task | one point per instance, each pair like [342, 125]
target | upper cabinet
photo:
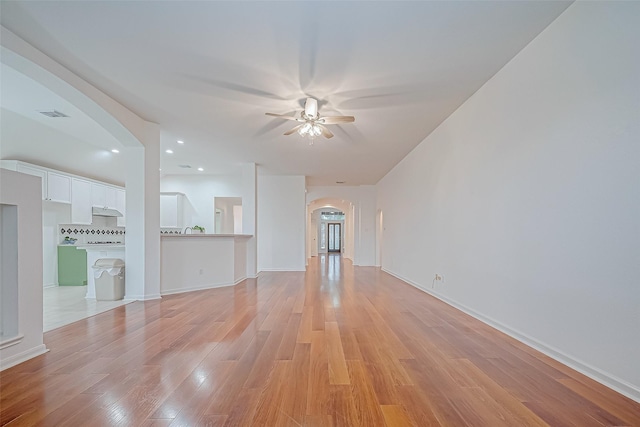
[56, 187]
[82, 194]
[103, 196]
[81, 202]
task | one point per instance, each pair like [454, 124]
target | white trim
[8, 362]
[197, 288]
[604, 378]
[11, 341]
[149, 297]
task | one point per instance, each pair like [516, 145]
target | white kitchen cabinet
[121, 207]
[98, 195]
[81, 212]
[171, 210]
[58, 188]
[103, 196]
[111, 198]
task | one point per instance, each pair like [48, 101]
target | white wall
[527, 200]
[281, 223]
[200, 191]
[228, 207]
[24, 191]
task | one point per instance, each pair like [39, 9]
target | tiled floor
[67, 304]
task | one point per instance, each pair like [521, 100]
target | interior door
[335, 237]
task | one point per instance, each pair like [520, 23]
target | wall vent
[54, 113]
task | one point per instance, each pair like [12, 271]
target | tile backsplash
[91, 233]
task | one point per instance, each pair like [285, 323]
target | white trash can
[109, 278]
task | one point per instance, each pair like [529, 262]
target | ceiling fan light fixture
[311, 124]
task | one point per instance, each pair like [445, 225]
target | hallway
[336, 345]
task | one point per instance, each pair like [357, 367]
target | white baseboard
[604, 378]
[8, 362]
[197, 288]
[149, 297]
[10, 342]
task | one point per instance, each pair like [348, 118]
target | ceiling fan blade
[326, 132]
[282, 116]
[294, 130]
[332, 120]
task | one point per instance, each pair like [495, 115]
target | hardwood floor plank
[343, 408]
[338, 373]
[335, 346]
[288, 344]
[318, 395]
[620, 406]
[364, 395]
[396, 416]
[318, 421]
[306, 328]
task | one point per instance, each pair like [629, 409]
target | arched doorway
[330, 227]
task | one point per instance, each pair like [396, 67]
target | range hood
[106, 212]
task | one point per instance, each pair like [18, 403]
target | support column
[249, 216]
[142, 239]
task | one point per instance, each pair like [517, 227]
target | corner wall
[281, 223]
[526, 199]
[23, 191]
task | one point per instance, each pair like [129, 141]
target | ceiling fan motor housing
[311, 109]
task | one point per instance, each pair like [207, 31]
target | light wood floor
[337, 346]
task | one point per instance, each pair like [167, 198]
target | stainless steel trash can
[109, 278]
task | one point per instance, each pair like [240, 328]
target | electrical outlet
[438, 277]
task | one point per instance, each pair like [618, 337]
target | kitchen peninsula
[190, 262]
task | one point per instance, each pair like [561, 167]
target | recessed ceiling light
[115, 151]
[180, 142]
[200, 169]
[169, 151]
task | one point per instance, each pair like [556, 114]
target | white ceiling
[208, 71]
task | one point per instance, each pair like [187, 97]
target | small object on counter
[200, 229]
[69, 241]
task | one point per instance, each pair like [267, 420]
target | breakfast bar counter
[190, 262]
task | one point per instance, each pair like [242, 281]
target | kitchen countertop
[207, 235]
[99, 247]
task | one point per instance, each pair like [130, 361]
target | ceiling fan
[311, 123]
